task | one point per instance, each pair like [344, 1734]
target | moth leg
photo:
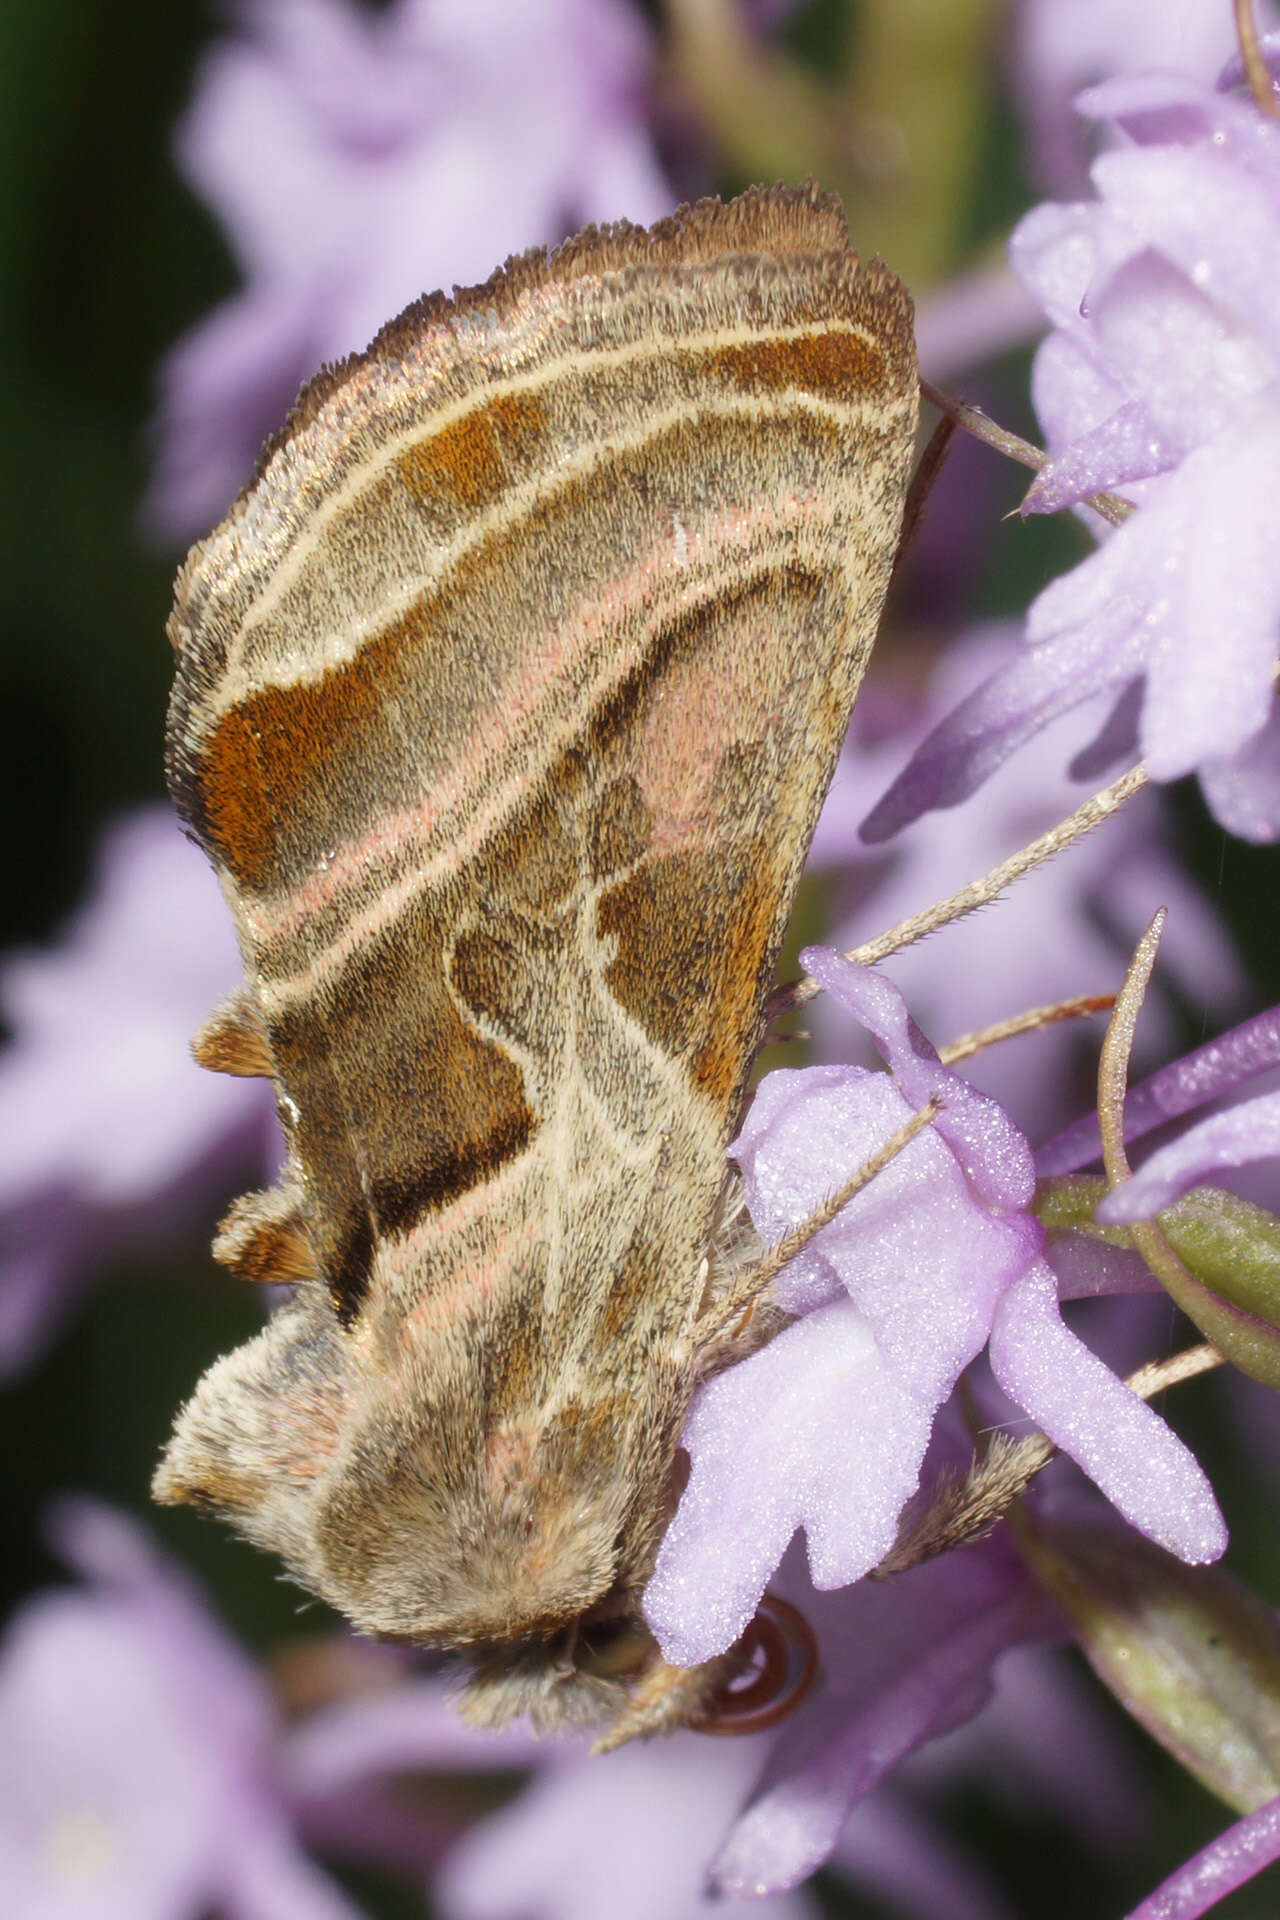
[264, 1236]
[754, 1685]
[234, 1038]
[666, 1698]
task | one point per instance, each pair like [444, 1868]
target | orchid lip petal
[1146, 1472]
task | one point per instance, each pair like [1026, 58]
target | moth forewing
[506, 697]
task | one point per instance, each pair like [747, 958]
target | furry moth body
[505, 700]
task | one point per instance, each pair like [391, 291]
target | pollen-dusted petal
[1242, 1134]
[1122, 1443]
[1213, 595]
[1164, 294]
[1071, 392]
[1059, 252]
[1219, 1067]
[1207, 215]
[990, 1150]
[1126, 446]
[898, 1246]
[1234, 1857]
[817, 1431]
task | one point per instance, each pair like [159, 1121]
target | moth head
[579, 1676]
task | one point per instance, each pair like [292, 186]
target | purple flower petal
[136, 1824]
[1172, 110]
[826, 1428]
[1084, 1267]
[916, 1656]
[1219, 1067]
[410, 1727]
[1010, 708]
[114, 1137]
[1127, 446]
[98, 1091]
[625, 1836]
[1123, 1445]
[991, 1151]
[1233, 73]
[815, 1431]
[1072, 394]
[1169, 347]
[1063, 45]
[1243, 790]
[1059, 253]
[1237, 1854]
[788, 1165]
[1250, 1131]
[1211, 630]
[272, 1880]
[1188, 593]
[143, 1769]
[1163, 375]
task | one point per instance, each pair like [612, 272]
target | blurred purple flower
[1060, 46]
[1067, 928]
[628, 1834]
[899, 1664]
[1043, 1741]
[114, 1138]
[1237, 1854]
[973, 318]
[357, 159]
[145, 1774]
[826, 1427]
[904, 1661]
[1160, 378]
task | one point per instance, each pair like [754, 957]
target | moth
[506, 697]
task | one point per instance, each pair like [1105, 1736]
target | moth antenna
[264, 1237]
[1111, 507]
[751, 1282]
[234, 1039]
[1029, 1022]
[1253, 61]
[781, 1640]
